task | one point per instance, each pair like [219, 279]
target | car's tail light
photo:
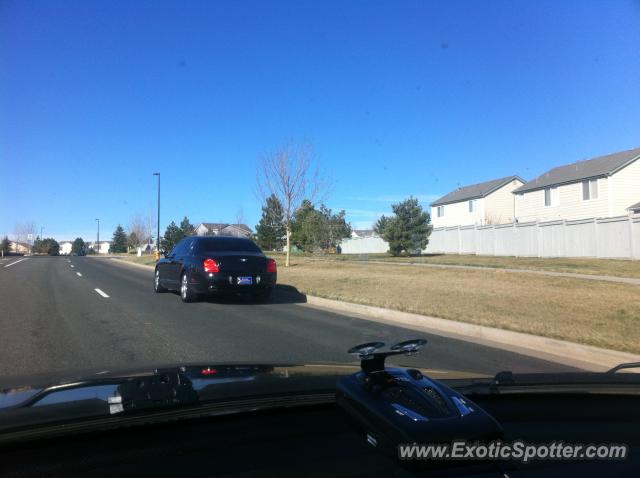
[271, 265]
[211, 265]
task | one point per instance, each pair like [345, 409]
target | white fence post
[475, 239]
[632, 251]
[595, 236]
[539, 237]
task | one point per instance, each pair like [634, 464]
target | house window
[472, 205]
[440, 211]
[551, 196]
[590, 189]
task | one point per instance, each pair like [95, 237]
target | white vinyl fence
[364, 245]
[615, 237]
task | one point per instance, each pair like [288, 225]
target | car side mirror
[166, 254]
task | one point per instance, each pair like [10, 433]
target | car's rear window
[219, 244]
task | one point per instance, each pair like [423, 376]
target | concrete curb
[124, 261]
[586, 357]
[568, 353]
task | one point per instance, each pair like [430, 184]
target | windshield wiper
[508, 382]
[624, 366]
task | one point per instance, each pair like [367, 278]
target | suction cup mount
[372, 361]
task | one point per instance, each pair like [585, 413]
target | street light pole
[158, 236]
[41, 229]
[98, 241]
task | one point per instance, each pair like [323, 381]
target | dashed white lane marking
[101, 293]
[72, 265]
[78, 274]
[9, 265]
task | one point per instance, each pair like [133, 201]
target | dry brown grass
[618, 268]
[590, 312]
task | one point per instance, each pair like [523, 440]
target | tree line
[294, 214]
[137, 236]
[313, 229]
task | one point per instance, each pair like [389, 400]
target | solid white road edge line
[101, 293]
[9, 265]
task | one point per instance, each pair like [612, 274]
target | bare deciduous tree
[291, 174]
[22, 230]
[150, 225]
[492, 219]
[240, 219]
[138, 226]
[240, 216]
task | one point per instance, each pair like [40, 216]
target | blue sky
[398, 98]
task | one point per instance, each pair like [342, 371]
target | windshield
[462, 172]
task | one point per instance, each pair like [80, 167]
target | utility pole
[158, 236]
[98, 241]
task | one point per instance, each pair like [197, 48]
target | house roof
[591, 168]
[244, 227]
[474, 191]
[634, 206]
[222, 225]
[214, 225]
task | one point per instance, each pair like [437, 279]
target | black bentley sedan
[202, 265]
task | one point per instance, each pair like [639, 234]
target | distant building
[19, 247]
[65, 248]
[360, 233]
[606, 186]
[222, 229]
[479, 204]
[104, 247]
[209, 228]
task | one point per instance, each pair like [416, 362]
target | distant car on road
[203, 265]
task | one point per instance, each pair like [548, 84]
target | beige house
[19, 247]
[606, 186]
[491, 202]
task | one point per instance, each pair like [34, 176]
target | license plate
[245, 280]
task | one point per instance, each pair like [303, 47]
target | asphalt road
[84, 313]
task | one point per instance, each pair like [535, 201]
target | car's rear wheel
[157, 285]
[186, 291]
